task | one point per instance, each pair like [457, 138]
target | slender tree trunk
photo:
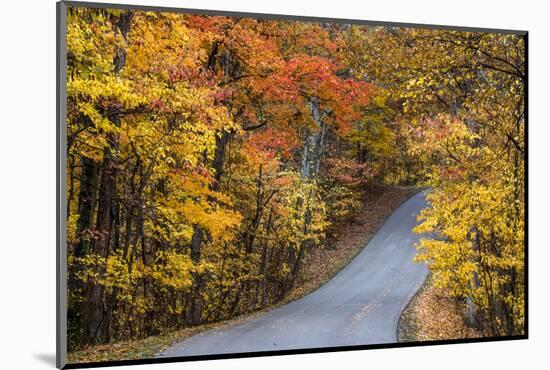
[472, 311]
[196, 302]
[111, 303]
[251, 236]
[70, 195]
[302, 248]
[219, 157]
[320, 146]
[95, 325]
[305, 242]
[86, 204]
[107, 193]
[220, 282]
[263, 266]
[305, 165]
[317, 143]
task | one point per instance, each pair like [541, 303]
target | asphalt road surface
[360, 305]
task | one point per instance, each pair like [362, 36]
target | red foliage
[276, 141]
[348, 172]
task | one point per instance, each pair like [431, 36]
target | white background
[27, 183]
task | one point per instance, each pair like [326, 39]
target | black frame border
[61, 245]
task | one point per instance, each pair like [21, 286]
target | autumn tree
[459, 100]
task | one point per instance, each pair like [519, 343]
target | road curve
[360, 305]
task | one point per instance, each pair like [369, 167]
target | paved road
[360, 305]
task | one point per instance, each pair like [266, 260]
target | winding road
[360, 305]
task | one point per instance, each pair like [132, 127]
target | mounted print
[235, 184]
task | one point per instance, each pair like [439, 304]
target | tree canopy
[206, 155]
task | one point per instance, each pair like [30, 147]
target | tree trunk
[196, 299]
[219, 157]
[86, 205]
[314, 142]
[305, 165]
[472, 311]
[302, 248]
[304, 244]
[263, 266]
[95, 320]
[110, 304]
[107, 191]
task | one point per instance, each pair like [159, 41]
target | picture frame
[62, 214]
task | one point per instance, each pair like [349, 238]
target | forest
[208, 156]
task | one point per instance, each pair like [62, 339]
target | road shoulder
[433, 314]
